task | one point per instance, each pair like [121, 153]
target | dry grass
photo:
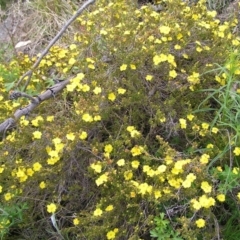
[37, 21]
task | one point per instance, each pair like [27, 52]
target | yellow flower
[190, 117]
[206, 187]
[42, 185]
[133, 66]
[137, 150]
[172, 74]
[237, 151]
[97, 167]
[209, 146]
[121, 91]
[238, 195]
[205, 126]
[187, 183]
[97, 212]
[159, 58]
[111, 97]
[200, 223]
[109, 208]
[71, 61]
[83, 135]
[76, 221]
[70, 136]
[204, 159]
[194, 78]
[102, 179]
[35, 122]
[221, 197]
[97, 118]
[157, 194]
[144, 188]
[111, 235]
[50, 118]
[8, 196]
[164, 29]
[215, 130]
[73, 46]
[51, 208]
[121, 162]
[206, 202]
[97, 90]
[149, 77]
[85, 88]
[87, 117]
[30, 172]
[37, 166]
[235, 170]
[135, 164]
[108, 148]
[0, 189]
[123, 67]
[37, 135]
[183, 123]
[162, 168]
[195, 204]
[128, 175]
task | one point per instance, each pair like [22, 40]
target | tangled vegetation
[143, 142]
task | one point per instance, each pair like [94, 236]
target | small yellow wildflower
[183, 123]
[37, 166]
[121, 91]
[97, 167]
[70, 136]
[42, 185]
[50, 118]
[111, 235]
[200, 223]
[97, 90]
[172, 74]
[76, 221]
[83, 135]
[190, 117]
[164, 29]
[97, 212]
[206, 187]
[121, 162]
[238, 195]
[123, 67]
[8, 196]
[51, 208]
[237, 151]
[87, 117]
[221, 197]
[109, 208]
[135, 164]
[137, 150]
[205, 126]
[102, 179]
[215, 130]
[149, 77]
[204, 159]
[108, 148]
[111, 97]
[37, 135]
[128, 175]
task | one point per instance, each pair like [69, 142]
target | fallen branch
[29, 73]
[35, 101]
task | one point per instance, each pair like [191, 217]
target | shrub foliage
[147, 127]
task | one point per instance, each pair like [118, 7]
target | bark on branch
[35, 101]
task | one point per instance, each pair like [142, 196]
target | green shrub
[139, 131]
